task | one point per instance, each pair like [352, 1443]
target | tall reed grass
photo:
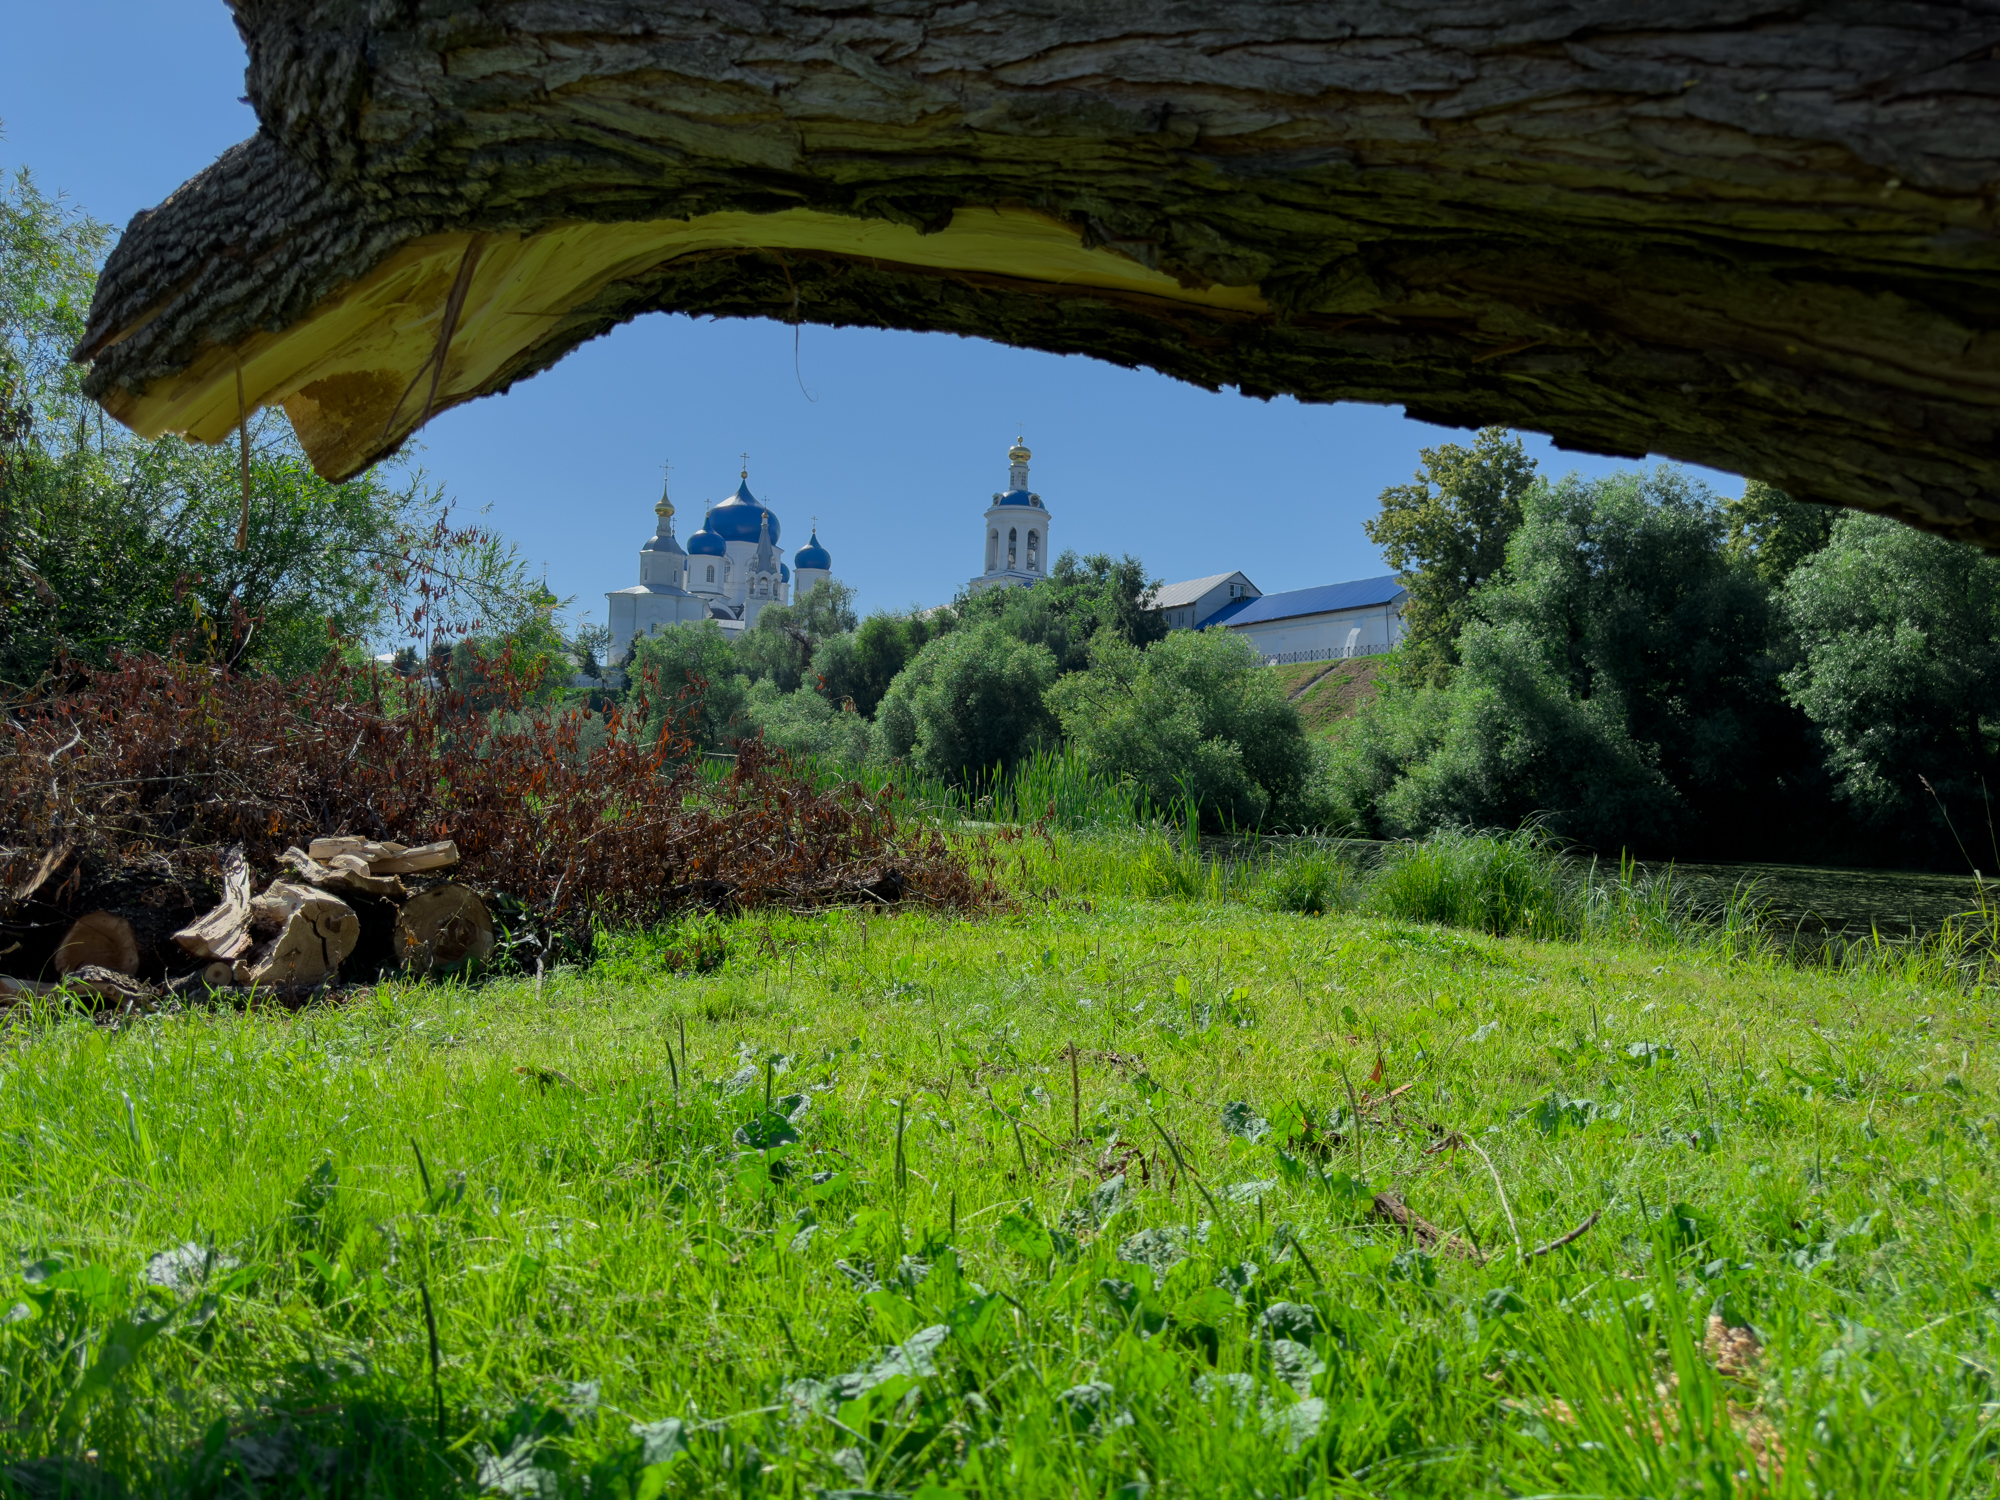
[1054, 787]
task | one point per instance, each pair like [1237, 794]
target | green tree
[688, 675]
[110, 543]
[1899, 640]
[1618, 680]
[1194, 715]
[781, 642]
[859, 665]
[1773, 533]
[1065, 611]
[972, 700]
[1446, 534]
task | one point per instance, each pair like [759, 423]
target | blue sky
[894, 441]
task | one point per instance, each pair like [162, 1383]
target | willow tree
[1749, 234]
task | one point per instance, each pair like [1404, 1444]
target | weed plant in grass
[1067, 1202]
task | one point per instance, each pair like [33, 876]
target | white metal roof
[1173, 595]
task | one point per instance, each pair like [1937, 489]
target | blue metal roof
[1325, 599]
[813, 555]
[1019, 497]
[740, 517]
[705, 543]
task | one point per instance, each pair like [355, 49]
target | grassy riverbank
[1073, 1201]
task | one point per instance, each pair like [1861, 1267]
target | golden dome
[1019, 452]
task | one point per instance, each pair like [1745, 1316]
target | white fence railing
[1325, 653]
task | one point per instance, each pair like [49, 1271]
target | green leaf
[1211, 1307]
[1024, 1236]
[1243, 1121]
[767, 1129]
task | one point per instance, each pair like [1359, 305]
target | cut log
[443, 929]
[1757, 238]
[346, 872]
[224, 933]
[439, 856]
[99, 939]
[315, 930]
[367, 849]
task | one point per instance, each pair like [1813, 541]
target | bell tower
[1015, 546]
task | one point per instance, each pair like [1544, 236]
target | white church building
[733, 567]
[728, 571]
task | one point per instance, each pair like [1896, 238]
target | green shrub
[1312, 879]
[1195, 716]
[970, 701]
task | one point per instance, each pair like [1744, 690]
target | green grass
[859, 1234]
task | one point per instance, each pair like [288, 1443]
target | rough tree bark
[1759, 236]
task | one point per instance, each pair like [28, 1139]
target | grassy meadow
[1074, 1200]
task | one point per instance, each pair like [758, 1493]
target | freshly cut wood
[355, 875]
[99, 939]
[368, 849]
[439, 856]
[224, 933]
[443, 928]
[1756, 237]
[274, 905]
[315, 931]
[219, 974]
[345, 872]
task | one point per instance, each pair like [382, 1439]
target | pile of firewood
[344, 908]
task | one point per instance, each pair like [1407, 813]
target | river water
[1812, 899]
[1819, 899]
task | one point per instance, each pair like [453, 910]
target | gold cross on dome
[746, 465]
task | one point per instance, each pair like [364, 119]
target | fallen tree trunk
[1753, 236]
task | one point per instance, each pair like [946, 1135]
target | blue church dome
[813, 555]
[740, 517]
[784, 572]
[1018, 497]
[705, 543]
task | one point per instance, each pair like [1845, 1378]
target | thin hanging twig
[454, 304]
